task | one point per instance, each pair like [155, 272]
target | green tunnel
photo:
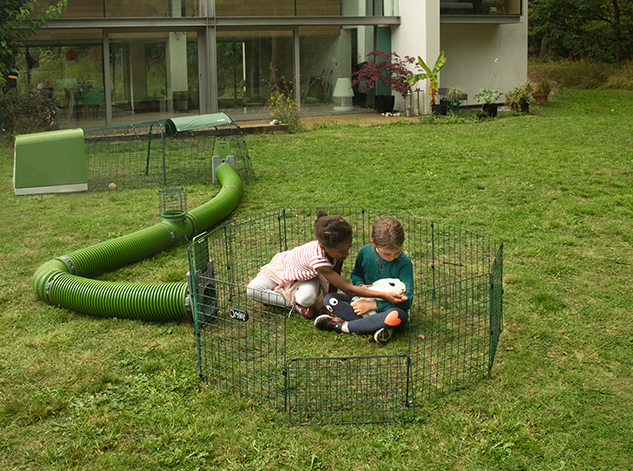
[66, 280]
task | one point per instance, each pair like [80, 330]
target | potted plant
[520, 97]
[454, 96]
[543, 90]
[389, 69]
[489, 99]
[433, 76]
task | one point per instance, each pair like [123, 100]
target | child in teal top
[382, 258]
[370, 266]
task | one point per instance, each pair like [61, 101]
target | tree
[387, 68]
[591, 29]
[19, 19]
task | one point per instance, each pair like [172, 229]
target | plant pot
[384, 103]
[454, 106]
[439, 110]
[450, 105]
[491, 109]
[525, 106]
[540, 98]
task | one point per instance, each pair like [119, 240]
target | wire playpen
[315, 377]
[164, 153]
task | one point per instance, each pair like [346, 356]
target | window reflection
[251, 64]
[125, 9]
[74, 74]
[480, 7]
[306, 7]
[153, 75]
[329, 55]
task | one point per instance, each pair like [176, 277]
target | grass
[583, 74]
[78, 392]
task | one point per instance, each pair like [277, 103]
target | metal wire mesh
[146, 155]
[256, 350]
[172, 201]
[452, 341]
[349, 390]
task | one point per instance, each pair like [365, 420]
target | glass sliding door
[251, 64]
[153, 75]
[74, 75]
[329, 55]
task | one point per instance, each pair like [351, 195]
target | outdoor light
[343, 90]
[11, 79]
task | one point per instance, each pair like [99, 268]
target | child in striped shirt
[297, 277]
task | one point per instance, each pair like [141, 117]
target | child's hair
[331, 231]
[387, 232]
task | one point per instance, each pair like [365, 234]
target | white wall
[484, 56]
[417, 35]
[477, 55]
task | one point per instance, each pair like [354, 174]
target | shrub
[545, 85]
[388, 68]
[488, 96]
[519, 96]
[281, 105]
[27, 111]
[623, 80]
[584, 75]
[284, 109]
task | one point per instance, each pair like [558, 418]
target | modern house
[113, 61]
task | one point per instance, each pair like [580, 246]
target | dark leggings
[340, 306]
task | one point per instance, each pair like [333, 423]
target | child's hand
[394, 298]
[363, 306]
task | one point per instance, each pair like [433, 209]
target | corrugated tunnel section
[66, 281]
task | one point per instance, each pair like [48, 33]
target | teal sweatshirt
[370, 267]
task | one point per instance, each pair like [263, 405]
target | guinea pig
[384, 285]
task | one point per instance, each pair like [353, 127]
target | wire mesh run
[316, 377]
[151, 154]
[349, 390]
[241, 347]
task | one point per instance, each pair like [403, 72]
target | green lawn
[83, 393]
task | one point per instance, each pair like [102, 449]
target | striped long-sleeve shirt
[300, 263]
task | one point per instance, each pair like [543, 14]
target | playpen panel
[244, 346]
[349, 390]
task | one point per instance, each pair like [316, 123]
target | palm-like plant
[431, 74]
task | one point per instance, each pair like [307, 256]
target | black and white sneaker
[383, 336]
[325, 322]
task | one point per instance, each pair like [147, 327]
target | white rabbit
[384, 285]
